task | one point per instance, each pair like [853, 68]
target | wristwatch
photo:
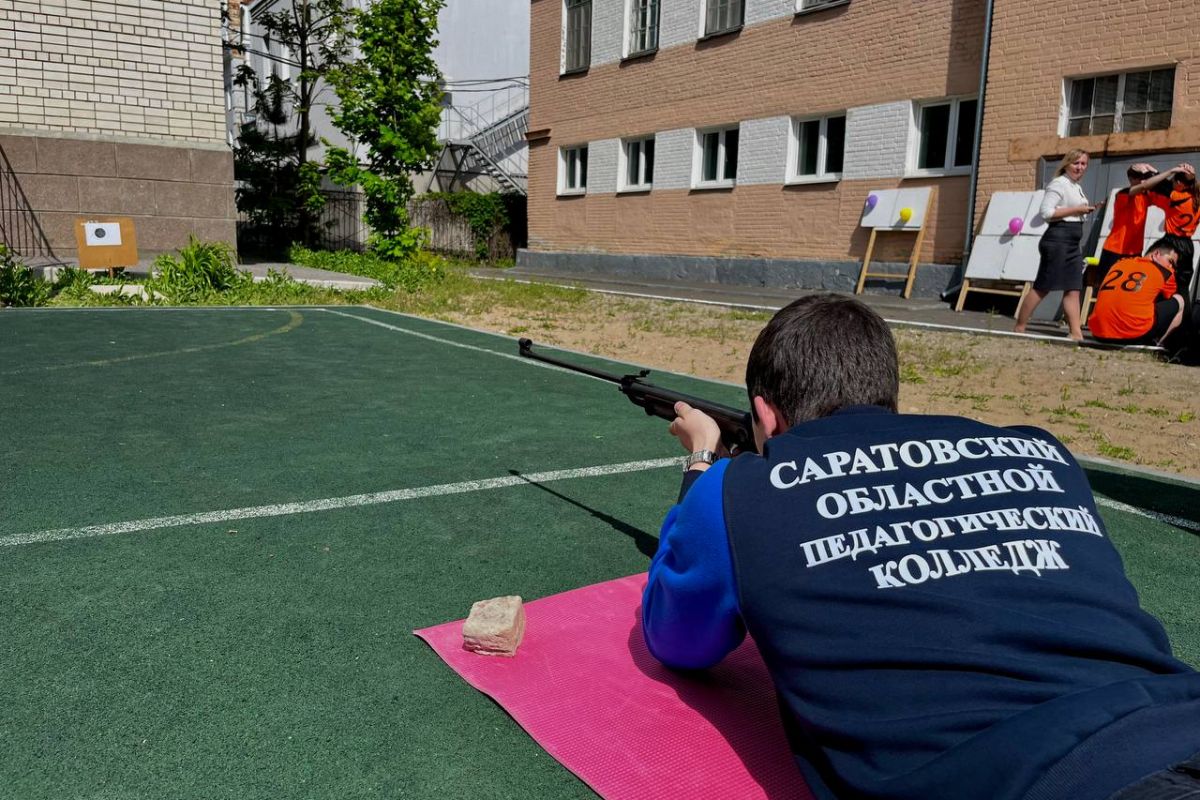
[699, 457]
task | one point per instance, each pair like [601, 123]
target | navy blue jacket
[938, 604]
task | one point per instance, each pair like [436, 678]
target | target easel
[1004, 257]
[106, 243]
[901, 210]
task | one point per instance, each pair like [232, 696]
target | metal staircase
[483, 145]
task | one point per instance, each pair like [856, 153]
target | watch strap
[699, 457]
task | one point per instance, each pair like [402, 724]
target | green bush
[418, 270]
[201, 270]
[18, 285]
[73, 283]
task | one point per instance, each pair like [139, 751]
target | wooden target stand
[911, 275]
[1017, 289]
[95, 253]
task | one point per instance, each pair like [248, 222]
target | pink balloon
[1015, 225]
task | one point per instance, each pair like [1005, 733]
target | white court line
[1178, 522]
[329, 503]
[452, 343]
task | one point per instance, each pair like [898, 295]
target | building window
[572, 170]
[1131, 101]
[578, 35]
[718, 154]
[637, 171]
[946, 135]
[643, 27]
[807, 5]
[819, 147]
[722, 16]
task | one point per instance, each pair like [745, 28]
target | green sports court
[219, 528]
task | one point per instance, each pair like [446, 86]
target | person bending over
[936, 599]
[1138, 301]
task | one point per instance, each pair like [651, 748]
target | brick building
[112, 107]
[737, 140]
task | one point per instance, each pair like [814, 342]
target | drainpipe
[983, 73]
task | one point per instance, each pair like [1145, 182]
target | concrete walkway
[313, 277]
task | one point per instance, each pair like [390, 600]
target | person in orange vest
[1178, 195]
[1128, 235]
[1138, 302]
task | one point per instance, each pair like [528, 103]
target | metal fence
[340, 226]
[341, 222]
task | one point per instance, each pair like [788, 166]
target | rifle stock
[737, 430]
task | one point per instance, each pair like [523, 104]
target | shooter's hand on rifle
[696, 430]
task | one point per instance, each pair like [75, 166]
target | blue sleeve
[690, 617]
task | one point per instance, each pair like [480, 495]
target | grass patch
[1110, 450]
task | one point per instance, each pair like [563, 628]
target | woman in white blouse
[1064, 207]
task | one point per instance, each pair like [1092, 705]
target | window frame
[583, 47]
[632, 9]
[565, 189]
[822, 175]
[920, 107]
[698, 181]
[1066, 117]
[810, 6]
[644, 185]
[732, 27]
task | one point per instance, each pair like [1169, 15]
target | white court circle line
[328, 503]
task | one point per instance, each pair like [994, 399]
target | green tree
[280, 187]
[390, 103]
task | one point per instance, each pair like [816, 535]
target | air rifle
[737, 430]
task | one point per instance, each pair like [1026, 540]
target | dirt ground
[1126, 407]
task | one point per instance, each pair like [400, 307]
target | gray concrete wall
[931, 280]
[170, 192]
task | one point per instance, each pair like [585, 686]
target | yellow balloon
[905, 214]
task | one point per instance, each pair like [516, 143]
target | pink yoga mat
[586, 689]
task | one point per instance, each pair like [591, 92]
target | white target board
[884, 211]
[1006, 248]
[1009, 210]
[102, 234]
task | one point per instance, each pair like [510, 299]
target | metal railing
[20, 230]
[463, 121]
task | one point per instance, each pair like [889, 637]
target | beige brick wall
[1037, 45]
[868, 52]
[147, 70]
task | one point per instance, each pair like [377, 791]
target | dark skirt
[1061, 267]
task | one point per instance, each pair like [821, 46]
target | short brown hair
[822, 353]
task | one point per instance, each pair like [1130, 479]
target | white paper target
[1155, 223]
[1034, 224]
[882, 213]
[102, 234]
[1004, 207]
[1023, 258]
[917, 200]
[889, 202]
[988, 255]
